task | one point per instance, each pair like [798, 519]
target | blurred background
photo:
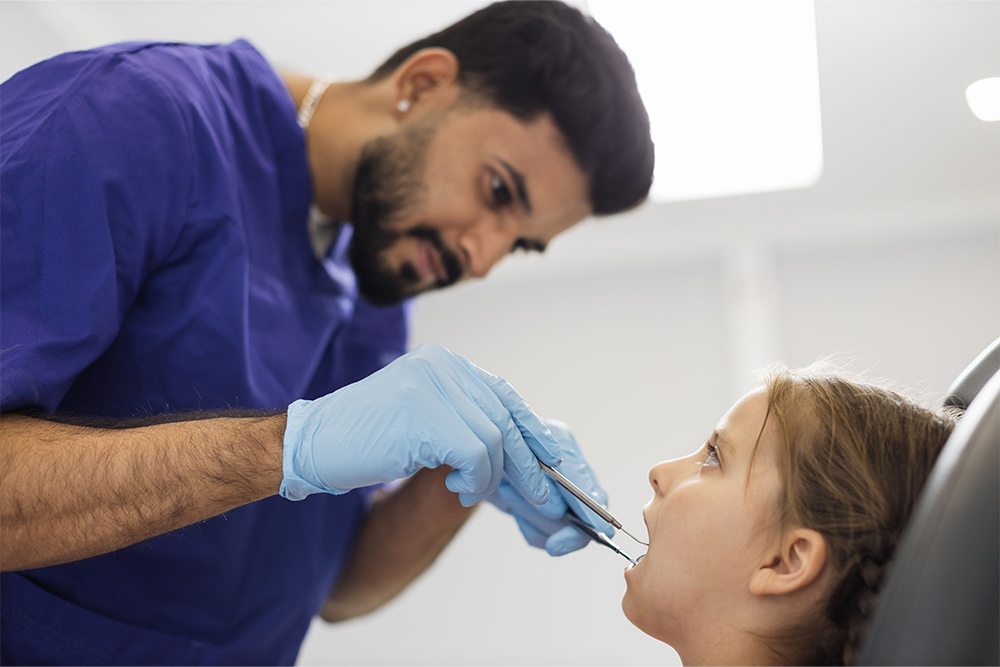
[641, 330]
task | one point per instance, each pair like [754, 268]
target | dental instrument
[589, 502]
[599, 537]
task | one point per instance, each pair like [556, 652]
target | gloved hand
[542, 525]
[428, 408]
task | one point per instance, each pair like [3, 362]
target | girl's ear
[793, 566]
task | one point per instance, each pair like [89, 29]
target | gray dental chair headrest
[975, 375]
[941, 603]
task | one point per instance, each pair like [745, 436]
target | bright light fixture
[984, 98]
[732, 89]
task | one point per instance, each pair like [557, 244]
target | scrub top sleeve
[96, 175]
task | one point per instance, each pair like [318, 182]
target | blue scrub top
[155, 258]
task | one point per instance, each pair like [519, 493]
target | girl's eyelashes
[712, 457]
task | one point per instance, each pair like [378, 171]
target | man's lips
[431, 266]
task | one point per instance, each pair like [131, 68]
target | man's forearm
[405, 531]
[70, 492]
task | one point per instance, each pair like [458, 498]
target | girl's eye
[500, 191]
[712, 459]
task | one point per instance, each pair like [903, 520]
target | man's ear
[797, 562]
[427, 80]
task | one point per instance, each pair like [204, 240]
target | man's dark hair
[528, 57]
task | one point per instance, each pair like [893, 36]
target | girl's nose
[659, 477]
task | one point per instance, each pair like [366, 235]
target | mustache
[451, 262]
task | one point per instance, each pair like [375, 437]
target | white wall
[641, 330]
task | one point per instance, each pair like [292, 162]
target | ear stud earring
[403, 106]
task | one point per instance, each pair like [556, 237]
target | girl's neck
[736, 647]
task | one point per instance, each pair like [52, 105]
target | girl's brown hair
[853, 457]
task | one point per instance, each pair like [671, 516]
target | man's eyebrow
[519, 186]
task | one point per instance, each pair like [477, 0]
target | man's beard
[388, 183]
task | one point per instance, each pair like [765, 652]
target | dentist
[207, 269]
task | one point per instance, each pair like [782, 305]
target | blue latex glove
[542, 525]
[428, 408]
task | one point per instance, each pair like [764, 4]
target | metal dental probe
[598, 537]
[589, 502]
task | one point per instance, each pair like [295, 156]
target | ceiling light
[984, 98]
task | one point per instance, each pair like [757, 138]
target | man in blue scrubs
[206, 267]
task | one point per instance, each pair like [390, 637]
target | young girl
[768, 544]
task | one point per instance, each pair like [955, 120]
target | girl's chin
[642, 618]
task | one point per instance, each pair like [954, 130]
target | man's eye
[527, 245]
[500, 191]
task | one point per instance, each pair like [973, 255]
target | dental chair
[941, 601]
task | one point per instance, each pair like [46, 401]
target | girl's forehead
[749, 437]
[744, 422]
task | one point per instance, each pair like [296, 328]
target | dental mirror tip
[645, 544]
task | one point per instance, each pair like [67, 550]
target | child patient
[768, 544]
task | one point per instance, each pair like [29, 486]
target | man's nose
[486, 241]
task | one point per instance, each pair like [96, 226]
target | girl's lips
[638, 562]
